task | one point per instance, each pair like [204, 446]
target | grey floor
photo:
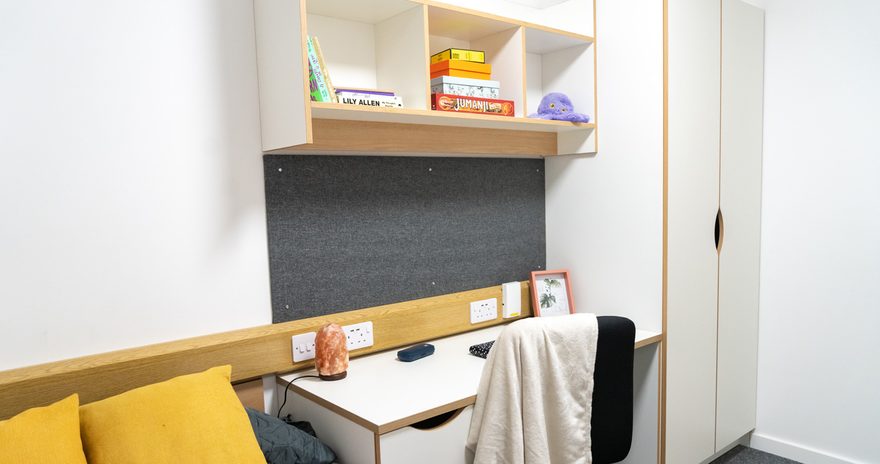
[743, 455]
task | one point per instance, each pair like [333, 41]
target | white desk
[366, 417]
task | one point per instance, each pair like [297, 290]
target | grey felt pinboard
[350, 232]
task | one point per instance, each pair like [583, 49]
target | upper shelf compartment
[387, 44]
[565, 16]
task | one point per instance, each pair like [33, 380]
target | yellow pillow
[189, 419]
[41, 435]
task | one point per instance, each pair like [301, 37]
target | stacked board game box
[461, 82]
[466, 87]
[464, 104]
[461, 68]
[474, 56]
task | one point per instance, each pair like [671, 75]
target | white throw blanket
[536, 394]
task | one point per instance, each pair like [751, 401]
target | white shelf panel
[463, 25]
[363, 11]
[543, 41]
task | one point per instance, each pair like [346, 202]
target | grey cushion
[285, 444]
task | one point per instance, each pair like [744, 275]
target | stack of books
[368, 97]
[321, 88]
[461, 82]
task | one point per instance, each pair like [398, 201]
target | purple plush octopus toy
[558, 106]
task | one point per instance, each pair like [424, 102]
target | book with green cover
[316, 69]
[324, 70]
[314, 93]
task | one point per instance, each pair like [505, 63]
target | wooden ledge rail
[252, 352]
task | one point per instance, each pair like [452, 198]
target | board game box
[460, 68]
[467, 87]
[465, 104]
[476, 56]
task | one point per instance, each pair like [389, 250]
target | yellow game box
[476, 56]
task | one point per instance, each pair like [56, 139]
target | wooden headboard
[252, 352]
[251, 394]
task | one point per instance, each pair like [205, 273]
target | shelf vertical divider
[401, 61]
[427, 66]
[505, 52]
[525, 75]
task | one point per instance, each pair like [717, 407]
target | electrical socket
[303, 346]
[359, 335]
[484, 310]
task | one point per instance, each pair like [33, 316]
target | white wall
[604, 212]
[818, 376]
[131, 186]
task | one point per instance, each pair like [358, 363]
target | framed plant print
[551, 293]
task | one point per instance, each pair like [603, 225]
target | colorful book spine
[370, 100]
[324, 70]
[314, 93]
[462, 104]
[316, 68]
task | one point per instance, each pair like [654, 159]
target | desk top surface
[383, 394]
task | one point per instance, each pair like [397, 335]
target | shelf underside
[364, 130]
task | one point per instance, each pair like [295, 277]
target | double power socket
[357, 336]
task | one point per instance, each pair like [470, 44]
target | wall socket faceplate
[484, 310]
[303, 346]
[357, 336]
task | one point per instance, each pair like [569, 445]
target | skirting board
[796, 451]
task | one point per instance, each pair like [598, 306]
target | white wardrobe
[714, 111]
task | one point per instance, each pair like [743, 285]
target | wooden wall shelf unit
[388, 43]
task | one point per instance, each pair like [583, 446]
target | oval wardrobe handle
[719, 231]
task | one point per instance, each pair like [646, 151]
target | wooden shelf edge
[645, 338]
[358, 137]
[323, 110]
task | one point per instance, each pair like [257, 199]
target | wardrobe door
[742, 77]
[692, 273]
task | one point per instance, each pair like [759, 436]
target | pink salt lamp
[331, 353]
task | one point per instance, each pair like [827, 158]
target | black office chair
[612, 420]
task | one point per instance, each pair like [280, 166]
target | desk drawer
[442, 444]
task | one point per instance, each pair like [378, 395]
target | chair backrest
[612, 421]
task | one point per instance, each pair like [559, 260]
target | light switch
[303, 346]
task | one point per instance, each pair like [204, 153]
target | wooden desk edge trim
[406, 421]
[331, 406]
[649, 341]
[379, 429]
